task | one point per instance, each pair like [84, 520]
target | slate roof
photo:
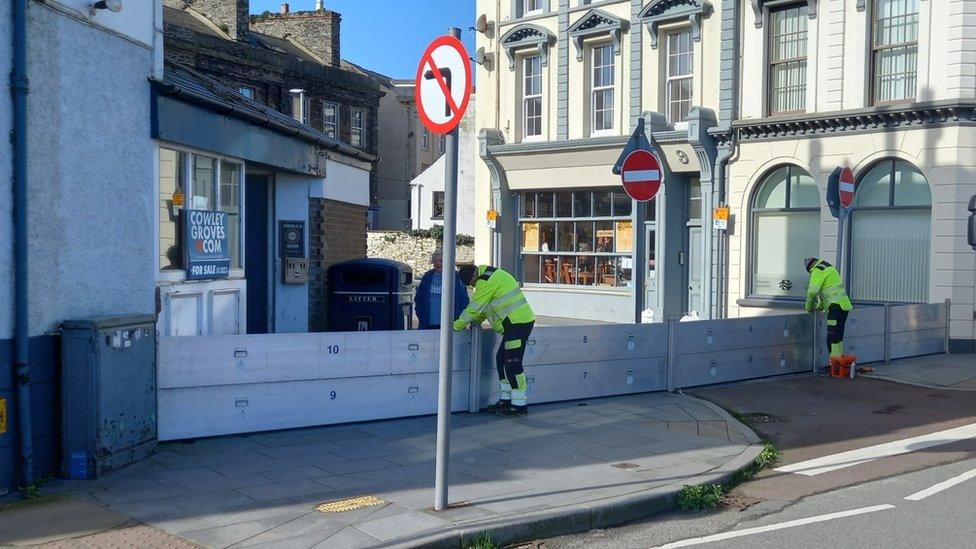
[186, 84]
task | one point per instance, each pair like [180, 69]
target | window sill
[533, 139]
[604, 133]
[771, 302]
[599, 290]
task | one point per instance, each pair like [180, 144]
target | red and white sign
[443, 85]
[641, 174]
[846, 188]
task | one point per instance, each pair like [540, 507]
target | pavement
[567, 467]
[953, 371]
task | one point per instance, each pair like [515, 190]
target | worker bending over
[826, 292]
[498, 297]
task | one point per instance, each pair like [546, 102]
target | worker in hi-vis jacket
[826, 292]
[499, 298]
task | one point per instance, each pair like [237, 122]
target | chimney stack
[232, 16]
[316, 30]
[285, 8]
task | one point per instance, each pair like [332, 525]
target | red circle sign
[641, 175]
[846, 188]
[442, 89]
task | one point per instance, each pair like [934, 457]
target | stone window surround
[597, 23]
[665, 11]
[760, 8]
[527, 36]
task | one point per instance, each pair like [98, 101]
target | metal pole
[19, 90]
[841, 217]
[474, 375]
[447, 315]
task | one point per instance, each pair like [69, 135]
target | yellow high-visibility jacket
[827, 286]
[497, 296]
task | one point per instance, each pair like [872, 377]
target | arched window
[785, 229]
[889, 235]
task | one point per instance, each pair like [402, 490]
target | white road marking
[920, 495]
[642, 175]
[774, 527]
[850, 458]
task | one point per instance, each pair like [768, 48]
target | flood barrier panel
[219, 385]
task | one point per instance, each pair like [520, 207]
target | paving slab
[566, 467]
[947, 371]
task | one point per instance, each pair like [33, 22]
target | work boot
[500, 405]
[824, 371]
[512, 411]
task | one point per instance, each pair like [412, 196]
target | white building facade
[750, 105]
[886, 88]
[427, 189]
[558, 98]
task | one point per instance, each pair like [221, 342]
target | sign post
[845, 199]
[443, 90]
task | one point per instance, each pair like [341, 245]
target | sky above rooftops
[389, 36]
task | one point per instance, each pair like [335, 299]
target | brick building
[290, 62]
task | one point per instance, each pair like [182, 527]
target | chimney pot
[319, 5]
[284, 7]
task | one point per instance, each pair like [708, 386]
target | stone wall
[316, 30]
[337, 233]
[230, 15]
[413, 251]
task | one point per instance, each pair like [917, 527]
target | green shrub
[698, 498]
[483, 541]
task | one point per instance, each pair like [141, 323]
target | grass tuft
[483, 541]
[701, 497]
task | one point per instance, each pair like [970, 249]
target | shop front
[235, 201]
[582, 248]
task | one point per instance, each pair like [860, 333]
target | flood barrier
[218, 385]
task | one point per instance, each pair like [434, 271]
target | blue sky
[388, 36]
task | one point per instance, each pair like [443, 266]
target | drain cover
[351, 504]
[625, 465]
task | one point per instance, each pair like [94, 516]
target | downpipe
[18, 91]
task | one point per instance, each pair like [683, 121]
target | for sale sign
[207, 249]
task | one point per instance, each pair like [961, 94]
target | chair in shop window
[550, 276]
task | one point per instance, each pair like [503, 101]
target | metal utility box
[108, 394]
[370, 294]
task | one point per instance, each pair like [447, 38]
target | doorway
[257, 192]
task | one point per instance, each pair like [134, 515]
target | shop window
[785, 230]
[895, 50]
[680, 75]
[438, 210]
[198, 182]
[577, 238]
[788, 59]
[890, 233]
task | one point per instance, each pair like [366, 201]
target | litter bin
[370, 294]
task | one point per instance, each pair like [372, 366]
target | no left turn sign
[443, 84]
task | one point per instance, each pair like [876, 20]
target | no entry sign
[641, 174]
[846, 188]
[443, 85]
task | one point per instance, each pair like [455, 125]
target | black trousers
[509, 357]
[836, 320]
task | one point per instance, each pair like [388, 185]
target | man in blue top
[429, 295]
